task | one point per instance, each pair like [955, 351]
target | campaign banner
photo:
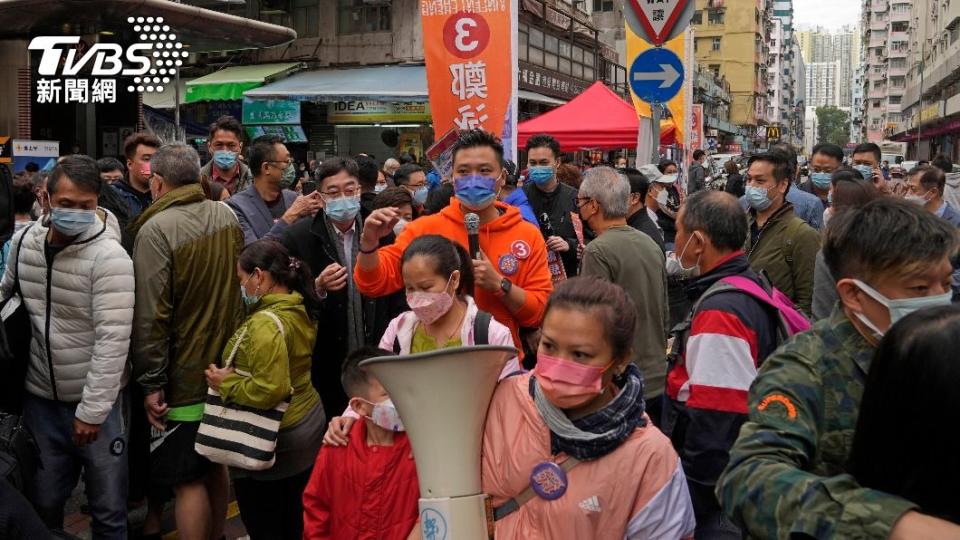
[471, 58]
[696, 131]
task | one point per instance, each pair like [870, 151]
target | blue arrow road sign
[656, 75]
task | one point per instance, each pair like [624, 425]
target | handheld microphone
[472, 222]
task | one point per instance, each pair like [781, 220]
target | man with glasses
[412, 178]
[265, 208]
[225, 166]
[329, 244]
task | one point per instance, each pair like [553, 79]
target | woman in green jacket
[275, 365]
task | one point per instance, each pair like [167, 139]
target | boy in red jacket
[367, 490]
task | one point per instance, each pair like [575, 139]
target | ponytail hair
[270, 256]
[447, 256]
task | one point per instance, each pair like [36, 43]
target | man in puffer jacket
[77, 283]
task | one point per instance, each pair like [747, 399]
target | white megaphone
[442, 397]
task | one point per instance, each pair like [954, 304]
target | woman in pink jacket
[568, 451]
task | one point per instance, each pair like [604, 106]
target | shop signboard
[549, 82]
[696, 131]
[270, 111]
[290, 133]
[471, 57]
[370, 112]
[43, 153]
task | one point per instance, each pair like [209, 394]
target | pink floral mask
[429, 306]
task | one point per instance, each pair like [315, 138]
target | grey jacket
[81, 312]
[697, 178]
[254, 216]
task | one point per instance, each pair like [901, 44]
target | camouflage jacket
[787, 472]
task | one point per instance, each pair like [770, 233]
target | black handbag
[19, 454]
[15, 335]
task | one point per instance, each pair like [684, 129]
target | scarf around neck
[601, 432]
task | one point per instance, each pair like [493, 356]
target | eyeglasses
[349, 193]
[286, 162]
[584, 199]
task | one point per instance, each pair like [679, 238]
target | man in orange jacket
[512, 279]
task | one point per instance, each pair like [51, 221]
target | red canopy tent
[597, 119]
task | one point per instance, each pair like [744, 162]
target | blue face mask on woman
[821, 180]
[225, 159]
[343, 209]
[475, 191]
[541, 176]
[72, 221]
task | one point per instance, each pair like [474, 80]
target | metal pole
[655, 128]
[920, 114]
[176, 102]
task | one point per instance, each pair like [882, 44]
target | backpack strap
[481, 328]
[750, 287]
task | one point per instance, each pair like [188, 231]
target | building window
[715, 68]
[697, 17]
[360, 17]
[715, 16]
[306, 18]
[716, 44]
[603, 5]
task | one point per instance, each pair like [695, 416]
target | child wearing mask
[437, 276]
[368, 489]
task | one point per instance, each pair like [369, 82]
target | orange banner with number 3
[471, 66]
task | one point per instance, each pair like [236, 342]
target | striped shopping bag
[236, 435]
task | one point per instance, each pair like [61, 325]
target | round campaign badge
[116, 446]
[508, 264]
[548, 480]
[520, 249]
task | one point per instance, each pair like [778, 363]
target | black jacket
[309, 240]
[641, 221]
[558, 204]
[735, 185]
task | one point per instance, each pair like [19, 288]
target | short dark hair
[698, 153]
[367, 172]
[403, 174]
[474, 138]
[216, 190]
[141, 137]
[850, 189]
[664, 163]
[718, 215]
[226, 123]
[262, 150]
[23, 197]
[356, 379]
[868, 147]
[828, 149]
[438, 199]
[915, 360]
[109, 164]
[447, 256]
[884, 234]
[544, 141]
[943, 163]
[789, 152]
[932, 178]
[334, 166]
[80, 169]
[392, 197]
[32, 167]
[638, 182]
[619, 312]
[406, 158]
[782, 169]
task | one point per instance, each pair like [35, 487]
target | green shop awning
[232, 82]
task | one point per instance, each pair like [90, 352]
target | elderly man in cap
[657, 192]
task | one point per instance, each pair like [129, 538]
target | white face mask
[662, 197]
[900, 307]
[675, 265]
[398, 228]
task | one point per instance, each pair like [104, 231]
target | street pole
[920, 114]
[655, 130]
[176, 101]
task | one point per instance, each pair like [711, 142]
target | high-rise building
[731, 41]
[783, 108]
[886, 47]
[823, 84]
[820, 45]
[931, 102]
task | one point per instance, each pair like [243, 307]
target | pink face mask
[429, 306]
[568, 384]
[145, 169]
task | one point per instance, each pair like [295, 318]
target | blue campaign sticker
[548, 481]
[433, 526]
[508, 264]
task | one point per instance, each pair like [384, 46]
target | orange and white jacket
[638, 491]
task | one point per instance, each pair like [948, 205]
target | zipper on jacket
[53, 379]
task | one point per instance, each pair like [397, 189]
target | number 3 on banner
[466, 35]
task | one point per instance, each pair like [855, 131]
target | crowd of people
[769, 360]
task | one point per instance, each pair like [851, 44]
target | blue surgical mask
[225, 159]
[758, 199]
[379, 188]
[475, 191]
[343, 209]
[821, 180]
[541, 176]
[865, 171]
[420, 195]
[250, 299]
[72, 221]
[899, 308]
